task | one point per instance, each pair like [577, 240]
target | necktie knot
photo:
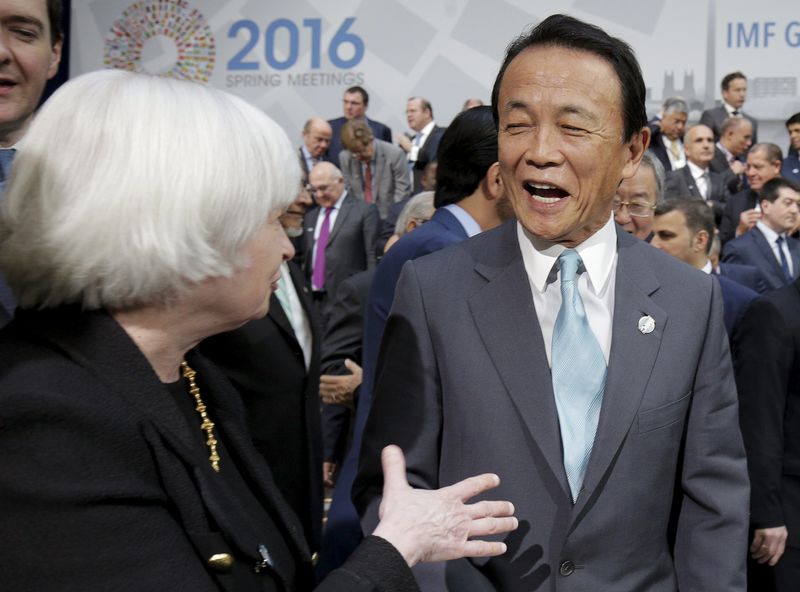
[568, 262]
[735, 113]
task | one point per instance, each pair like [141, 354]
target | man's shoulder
[389, 149]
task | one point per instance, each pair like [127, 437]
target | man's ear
[701, 240]
[492, 183]
[635, 151]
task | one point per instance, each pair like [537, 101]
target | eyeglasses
[635, 208]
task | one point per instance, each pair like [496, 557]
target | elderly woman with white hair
[141, 217]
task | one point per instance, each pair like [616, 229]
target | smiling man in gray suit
[587, 369]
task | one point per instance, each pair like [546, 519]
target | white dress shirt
[296, 314]
[419, 140]
[677, 163]
[596, 286]
[772, 238]
[701, 179]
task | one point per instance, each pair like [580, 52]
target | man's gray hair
[419, 208]
[651, 161]
[675, 105]
[129, 188]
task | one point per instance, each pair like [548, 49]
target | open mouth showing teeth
[545, 193]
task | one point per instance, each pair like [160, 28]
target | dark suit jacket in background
[480, 399]
[379, 130]
[351, 244]
[719, 164]
[304, 166]
[714, 118]
[443, 229]
[265, 363]
[736, 298]
[106, 471]
[768, 379]
[753, 249]
[790, 168]
[390, 176]
[659, 150]
[426, 154]
[747, 275]
[736, 204]
[680, 184]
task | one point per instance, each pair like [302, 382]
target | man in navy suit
[791, 164]
[768, 245]
[354, 103]
[742, 209]
[683, 228]
[423, 145]
[469, 198]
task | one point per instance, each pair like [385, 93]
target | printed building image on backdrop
[294, 58]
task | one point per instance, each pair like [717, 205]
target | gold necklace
[207, 426]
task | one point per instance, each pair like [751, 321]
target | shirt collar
[597, 252]
[768, 233]
[728, 154]
[427, 129]
[468, 223]
[730, 109]
[696, 171]
[306, 153]
[338, 205]
[707, 268]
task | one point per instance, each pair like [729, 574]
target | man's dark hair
[699, 216]
[726, 81]
[55, 10]
[793, 119]
[769, 192]
[565, 31]
[772, 152]
[467, 149]
[360, 90]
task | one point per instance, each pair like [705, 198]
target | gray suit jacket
[668, 463]
[714, 118]
[351, 244]
[390, 179]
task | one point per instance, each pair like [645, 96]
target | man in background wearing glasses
[638, 197]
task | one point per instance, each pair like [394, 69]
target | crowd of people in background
[308, 365]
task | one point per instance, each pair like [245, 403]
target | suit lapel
[631, 360]
[690, 184]
[341, 217]
[766, 251]
[501, 310]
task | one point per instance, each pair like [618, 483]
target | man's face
[736, 93]
[317, 139]
[794, 135]
[292, 218]
[417, 117]
[699, 146]
[365, 152]
[561, 150]
[638, 194]
[739, 138]
[354, 106]
[672, 235]
[327, 188]
[781, 214]
[760, 170]
[673, 125]
[27, 62]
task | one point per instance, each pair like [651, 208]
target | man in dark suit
[767, 348]
[29, 66]
[696, 180]
[684, 229]
[767, 246]
[791, 164]
[355, 103]
[316, 139]
[274, 363]
[730, 152]
[588, 369]
[468, 198]
[742, 210]
[423, 145]
[375, 171]
[734, 94]
[340, 235]
[667, 134]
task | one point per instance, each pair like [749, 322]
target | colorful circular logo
[174, 22]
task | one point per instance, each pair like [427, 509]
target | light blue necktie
[579, 375]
